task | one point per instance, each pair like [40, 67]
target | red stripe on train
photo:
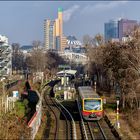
[85, 113]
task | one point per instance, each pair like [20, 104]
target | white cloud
[67, 14]
[100, 7]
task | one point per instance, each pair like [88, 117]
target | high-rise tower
[53, 33]
[59, 30]
[60, 18]
[49, 34]
[111, 30]
[126, 26]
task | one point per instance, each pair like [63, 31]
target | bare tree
[37, 44]
[36, 60]
[95, 54]
[17, 57]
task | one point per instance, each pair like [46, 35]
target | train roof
[87, 92]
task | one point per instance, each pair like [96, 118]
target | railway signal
[117, 116]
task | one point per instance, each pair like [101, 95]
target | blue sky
[22, 21]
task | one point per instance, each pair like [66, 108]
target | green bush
[20, 109]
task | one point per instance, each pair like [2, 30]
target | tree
[36, 60]
[17, 57]
[41, 60]
[132, 56]
[53, 60]
[95, 54]
[37, 44]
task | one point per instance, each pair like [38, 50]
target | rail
[53, 114]
[82, 122]
[73, 122]
[104, 136]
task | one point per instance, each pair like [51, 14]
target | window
[92, 104]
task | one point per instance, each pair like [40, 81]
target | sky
[23, 21]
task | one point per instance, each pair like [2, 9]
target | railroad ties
[62, 127]
[95, 130]
[65, 126]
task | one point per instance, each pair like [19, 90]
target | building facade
[63, 43]
[49, 34]
[117, 30]
[111, 30]
[125, 27]
[53, 33]
[5, 57]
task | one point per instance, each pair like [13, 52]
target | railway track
[97, 130]
[68, 128]
[62, 128]
[89, 134]
[107, 130]
[80, 135]
[86, 130]
[51, 111]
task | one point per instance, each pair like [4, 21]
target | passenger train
[91, 103]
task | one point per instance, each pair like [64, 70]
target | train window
[92, 104]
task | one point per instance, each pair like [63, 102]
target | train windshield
[92, 104]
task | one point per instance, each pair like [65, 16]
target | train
[91, 104]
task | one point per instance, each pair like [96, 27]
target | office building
[63, 43]
[53, 33]
[49, 34]
[125, 27]
[60, 19]
[111, 30]
[57, 43]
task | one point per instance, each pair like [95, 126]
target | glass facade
[118, 29]
[51, 34]
[57, 43]
[111, 30]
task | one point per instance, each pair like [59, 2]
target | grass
[59, 92]
[42, 127]
[20, 109]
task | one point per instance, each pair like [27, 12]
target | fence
[6, 103]
[35, 121]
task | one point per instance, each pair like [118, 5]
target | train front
[92, 108]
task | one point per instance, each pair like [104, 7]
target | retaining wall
[35, 121]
